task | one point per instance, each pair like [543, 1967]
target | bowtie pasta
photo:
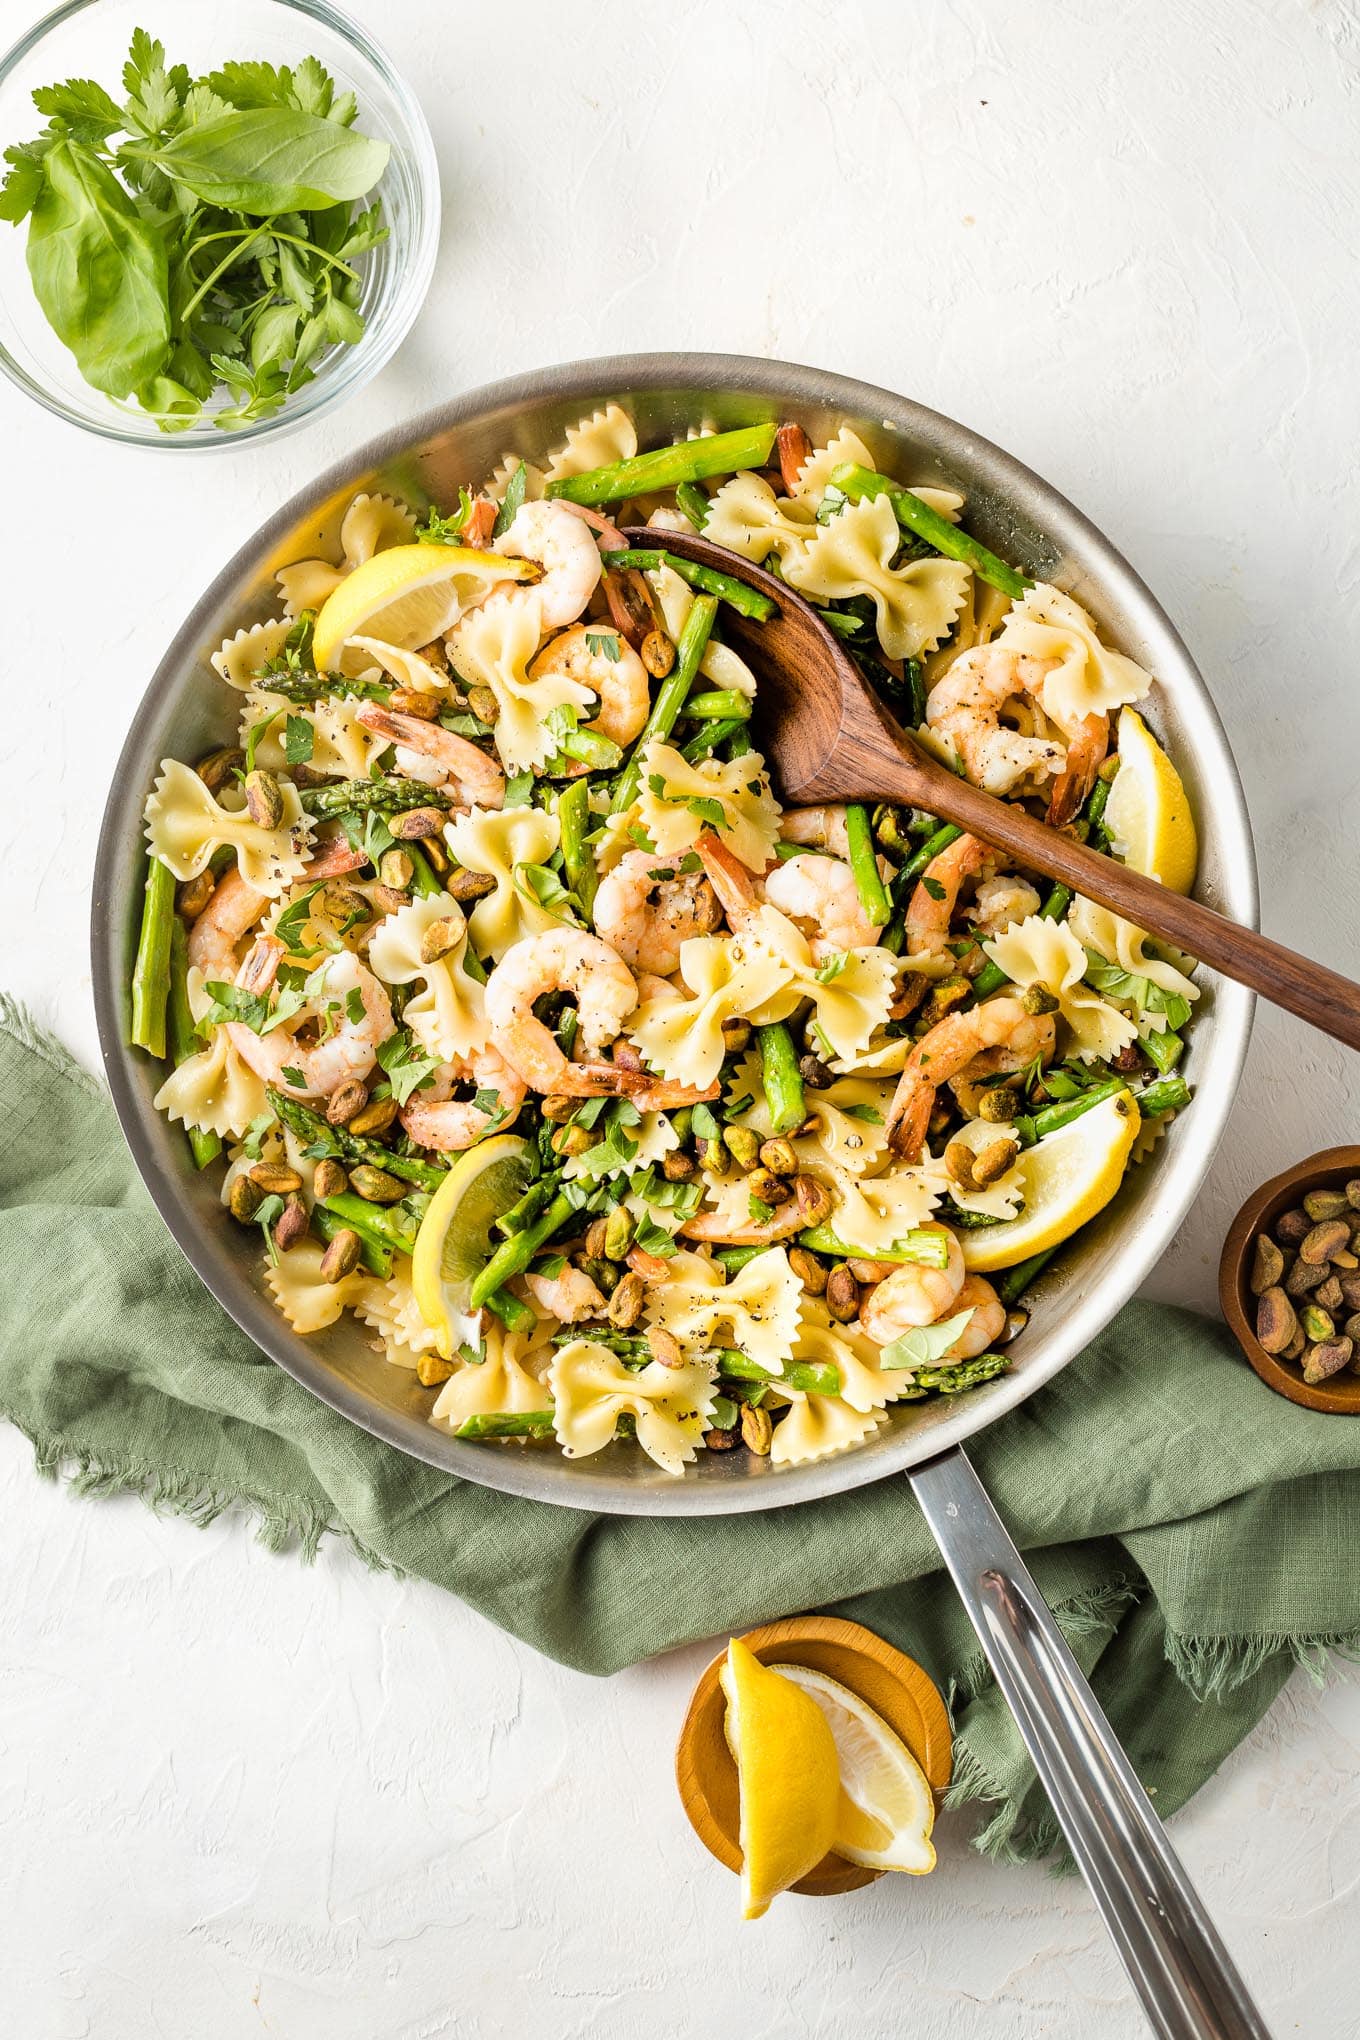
[775, 1156]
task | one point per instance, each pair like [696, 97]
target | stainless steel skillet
[1171, 1951]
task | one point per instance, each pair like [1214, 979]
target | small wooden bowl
[1329, 1170]
[893, 1685]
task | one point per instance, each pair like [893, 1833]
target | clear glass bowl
[89, 39]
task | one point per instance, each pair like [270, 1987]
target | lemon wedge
[1148, 811]
[407, 595]
[786, 1766]
[1065, 1178]
[454, 1240]
[886, 1808]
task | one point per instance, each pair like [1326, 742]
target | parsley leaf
[299, 739]
[437, 530]
[406, 1065]
[933, 887]
[604, 644]
[251, 1009]
[512, 501]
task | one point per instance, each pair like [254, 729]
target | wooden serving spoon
[828, 739]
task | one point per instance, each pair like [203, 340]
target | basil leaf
[922, 1347]
[99, 272]
[273, 159]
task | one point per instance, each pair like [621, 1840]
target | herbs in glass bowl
[207, 232]
[199, 232]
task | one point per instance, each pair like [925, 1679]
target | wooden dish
[1329, 1170]
[893, 1685]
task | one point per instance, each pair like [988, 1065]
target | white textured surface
[239, 1797]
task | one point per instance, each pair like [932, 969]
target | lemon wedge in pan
[454, 1241]
[407, 595]
[1148, 811]
[1064, 1179]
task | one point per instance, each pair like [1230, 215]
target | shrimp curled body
[565, 549]
[645, 918]
[438, 757]
[436, 1119]
[821, 895]
[344, 1048]
[605, 990]
[620, 680]
[948, 1049]
[913, 1296]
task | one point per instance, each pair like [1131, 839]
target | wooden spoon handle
[1321, 996]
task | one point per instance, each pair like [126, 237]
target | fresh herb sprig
[213, 250]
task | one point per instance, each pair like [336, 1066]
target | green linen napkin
[1194, 1533]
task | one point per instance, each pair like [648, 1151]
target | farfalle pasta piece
[212, 1090]
[239, 659]
[370, 525]
[494, 647]
[1089, 679]
[819, 1426]
[915, 603]
[851, 992]
[341, 747]
[848, 1119]
[305, 584]
[748, 518]
[724, 976]
[447, 1018]
[504, 471]
[653, 1137]
[677, 801]
[301, 1291]
[1040, 952]
[1119, 942]
[497, 842]
[872, 1213]
[755, 1310]
[597, 441]
[390, 1309]
[184, 825]
[592, 1389]
[508, 1381]
[675, 599]
[865, 1384]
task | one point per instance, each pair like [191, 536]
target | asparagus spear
[780, 1076]
[151, 971]
[1164, 1049]
[363, 796]
[710, 580]
[507, 1424]
[589, 748]
[689, 460]
[720, 704]
[574, 821]
[671, 694]
[923, 1247]
[380, 1224]
[302, 689]
[309, 1126]
[376, 1257]
[1013, 1284]
[813, 1380]
[864, 863]
[967, 1374]
[710, 737]
[514, 1315]
[1032, 1126]
[513, 1256]
[1169, 1094]
[946, 834]
[424, 879]
[693, 502]
[942, 536]
[182, 1039]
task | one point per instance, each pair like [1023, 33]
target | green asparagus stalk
[508, 1424]
[693, 502]
[1013, 1284]
[381, 1224]
[1168, 1094]
[709, 580]
[864, 863]
[589, 748]
[946, 834]
[425, 882]
[813, 1380]
[302, 689]
[923, 1247]
[710, 738]
[1164, 1049]
[376, 1257]
[1032, 1126]
[780, 1077]
[182, 1038]
[689, 460]
[151, 971]
[735, 1258]
[720, 704]
[364, 796]
[309, 1126]
[574, 821]
[967, 1374]
[514, 1315]
[670, 698]
[513, 1256]
[942, 536]
[523, 1213]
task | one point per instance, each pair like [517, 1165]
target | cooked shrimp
[605, 990]
[607, 535]
[345, 1048]
[429, 752]
[570, 1296]
[822, 896]
[986, 1324]
[1002, 900]
[736, 886]
[967, 706]
[645, 915]
[948, 1050]
[713, 1227]
[436, 1119]
[227, 919]
[568, 554]
[619, 679]
[333, 860]
[822, 827]
[481, 523]
[931, 906]
[913, 1296]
